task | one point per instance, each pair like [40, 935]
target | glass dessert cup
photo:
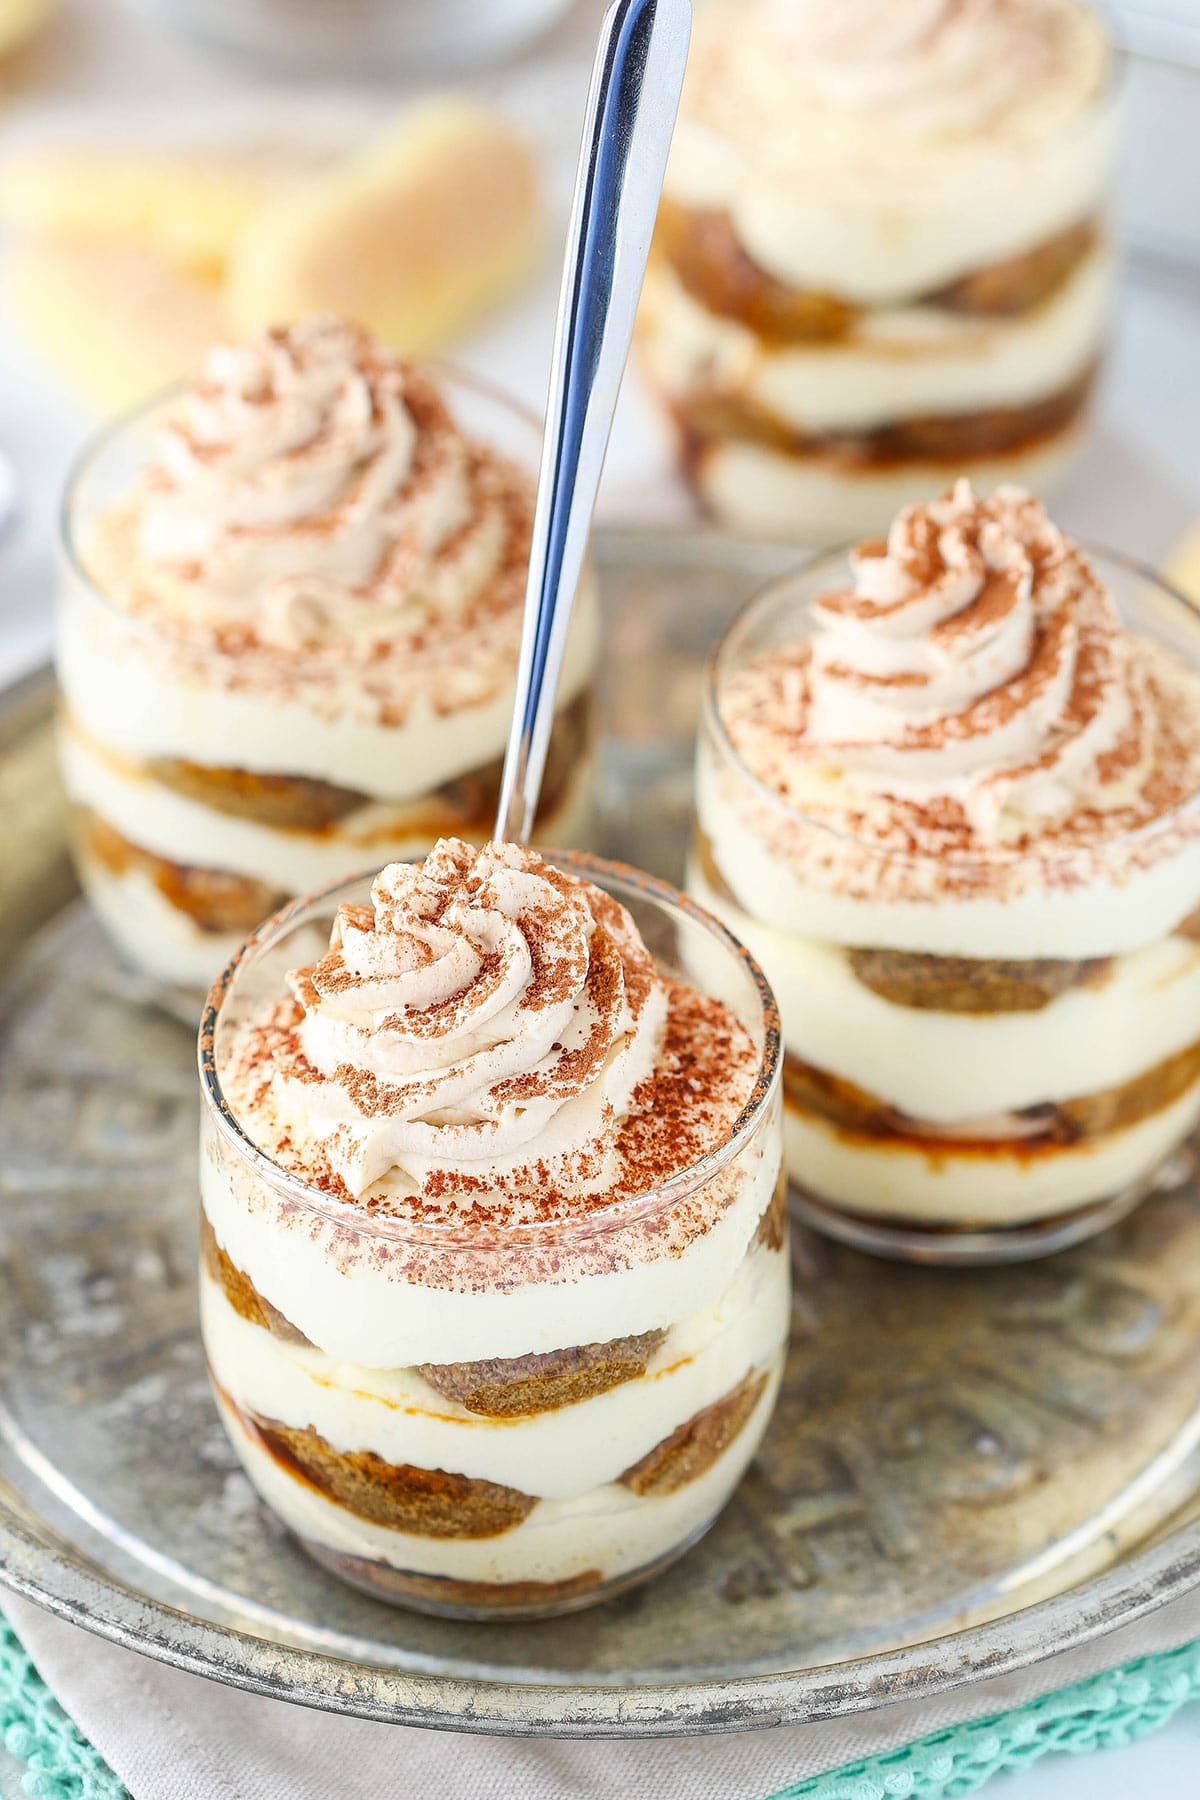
[969, 1077]
[832, 336]
[486, 1422]
[201, 801]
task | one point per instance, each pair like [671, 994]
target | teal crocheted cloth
[59, 1762]
[1114, 1708]
[1096, 1714]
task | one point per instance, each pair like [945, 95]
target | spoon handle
[631, 107]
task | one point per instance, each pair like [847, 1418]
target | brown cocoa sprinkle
[389, 646]
[899, 846]
[703, 1074]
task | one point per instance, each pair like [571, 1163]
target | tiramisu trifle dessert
[495, 1287]
[288, 638]
[881, 256]
[949, 795]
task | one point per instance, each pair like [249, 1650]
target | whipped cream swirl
[311, 485]
[973, 691]
[978, 659]
[487, 1017]
[873, 95]
[938, 67]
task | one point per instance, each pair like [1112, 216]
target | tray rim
[73, 1589]
[67, 1582]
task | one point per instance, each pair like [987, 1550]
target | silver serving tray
[967, 1472]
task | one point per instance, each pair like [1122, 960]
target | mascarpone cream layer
[898, 364]
[826, 498]
[169, 824]
[155, 936]
[949, 1068]
[127, 696]
[560, 1454]
[609, 1528]
[1100, 918]
[998, 1187]
[371, 1310]
[880, 150]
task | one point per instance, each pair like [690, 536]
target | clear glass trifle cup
[495, 1289]
[883, 255]
[287, 636]
[948, 793]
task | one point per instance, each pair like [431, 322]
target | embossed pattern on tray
[949, 1446]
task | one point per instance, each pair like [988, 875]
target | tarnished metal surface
[950, 1448]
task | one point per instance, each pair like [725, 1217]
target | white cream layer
[948, 1068]
[170, 945]
[127, 700]
[155, 936]
[370, 1314]
[151, 934]
[824, 500]
[889, 240]
[172, 825]
[1092, 919]
[558, 1454]
[609, 1528]
[896, 365]
[902, 1181]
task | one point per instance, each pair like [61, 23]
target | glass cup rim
[714, 725]
[113, 429]
[603, 1219]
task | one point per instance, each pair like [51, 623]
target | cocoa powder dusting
[706, 1071]
[1085, 680]
[428, 629]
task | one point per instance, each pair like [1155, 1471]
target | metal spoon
[634, 94]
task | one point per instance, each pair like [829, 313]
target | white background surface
[1138, 489]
